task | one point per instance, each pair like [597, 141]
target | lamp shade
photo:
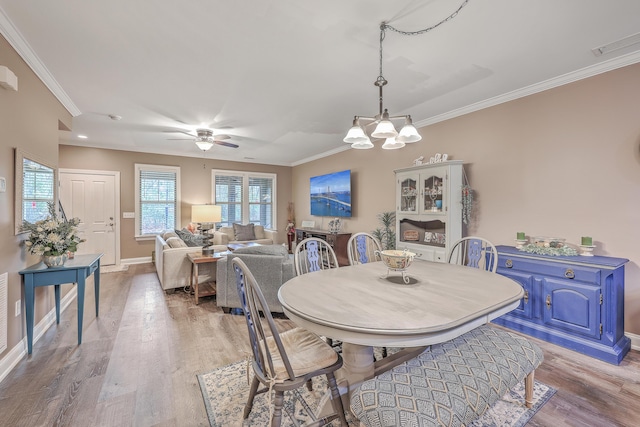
[392, 144]
[363, 145]
[356, 135]
[408, 134]
[206, 213]
[385, 129]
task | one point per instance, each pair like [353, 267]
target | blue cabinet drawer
[552, 269]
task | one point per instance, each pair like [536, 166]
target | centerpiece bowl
[397, 260]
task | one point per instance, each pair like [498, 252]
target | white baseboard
[8, 362]
[635, 340]
[141, 260]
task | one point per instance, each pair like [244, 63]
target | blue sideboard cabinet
[573, 301]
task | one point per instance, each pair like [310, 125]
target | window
[157, 199]
[245, 197]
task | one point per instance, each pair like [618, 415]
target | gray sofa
[271, 266]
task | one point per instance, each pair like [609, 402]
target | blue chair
[362, 247]
[474, 252]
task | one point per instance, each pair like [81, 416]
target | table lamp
[206, 216]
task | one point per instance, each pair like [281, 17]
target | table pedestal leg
[358, 366]
[56, 292]
[80, 298]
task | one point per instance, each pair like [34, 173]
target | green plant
[52, 236]
[386, 234]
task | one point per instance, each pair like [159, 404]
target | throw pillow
[176, 242]
[244, 232]
[191, 240]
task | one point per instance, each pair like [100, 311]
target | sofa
[173, 266]
[270, 264]
[243, 234]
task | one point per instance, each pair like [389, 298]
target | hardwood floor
[138, 362]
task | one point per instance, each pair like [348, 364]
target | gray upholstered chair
[362, 247]
[272, 266]
[474, 252]
[313, 254]
[283, 360]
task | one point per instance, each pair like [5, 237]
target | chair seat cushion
[307, 353]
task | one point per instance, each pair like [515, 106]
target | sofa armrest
[220, 238]
[271, 234]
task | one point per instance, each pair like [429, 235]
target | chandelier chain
[384, 26]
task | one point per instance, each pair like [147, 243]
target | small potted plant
[52, 238]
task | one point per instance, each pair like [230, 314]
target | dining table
[367, 306]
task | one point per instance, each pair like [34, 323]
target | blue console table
[574, 301]
[75, 270]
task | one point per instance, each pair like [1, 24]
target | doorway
[94, 197]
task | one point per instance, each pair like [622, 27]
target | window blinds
[158, 202]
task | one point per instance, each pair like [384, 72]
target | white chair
[314, 254]
[362, 247]
[284, 360]
[474, 252]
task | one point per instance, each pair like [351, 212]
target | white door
[93, 196]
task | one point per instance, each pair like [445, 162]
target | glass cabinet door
[408, 195]
[434, 194]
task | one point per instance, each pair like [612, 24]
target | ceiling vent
[618, 44]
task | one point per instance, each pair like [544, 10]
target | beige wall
[564, 162]
[29, 121]
[195, 178]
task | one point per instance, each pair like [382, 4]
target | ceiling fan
[205, 139]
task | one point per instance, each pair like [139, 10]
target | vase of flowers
[53, 238]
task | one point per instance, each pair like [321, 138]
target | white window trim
[159, 168]
[245, 191]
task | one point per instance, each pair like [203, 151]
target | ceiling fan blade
[226, 144]
[220, 137]
[179, 131]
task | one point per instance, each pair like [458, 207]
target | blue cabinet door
[572, 306]
[525, 309]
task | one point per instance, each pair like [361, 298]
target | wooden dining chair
[362, 247]
[314, 254]
[286, 360]
[474, 252]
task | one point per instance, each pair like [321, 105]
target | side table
[207, 288]
[75, 270]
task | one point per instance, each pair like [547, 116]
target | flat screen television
[331, 194]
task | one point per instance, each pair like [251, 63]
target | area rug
[225, 393]
[114, 268]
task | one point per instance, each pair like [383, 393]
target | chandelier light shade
[385, 129]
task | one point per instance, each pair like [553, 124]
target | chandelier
[385, 129]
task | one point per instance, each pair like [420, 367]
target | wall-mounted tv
[331, 194]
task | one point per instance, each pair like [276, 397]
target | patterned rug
[225, 393]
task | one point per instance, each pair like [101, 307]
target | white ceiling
[285, 77]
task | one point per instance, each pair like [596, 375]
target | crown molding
[590, 71]
[15, 39]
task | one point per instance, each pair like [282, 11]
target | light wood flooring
[138, 362]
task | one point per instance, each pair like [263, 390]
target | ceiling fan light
[204, 145]
[392, 144]
[385, 129]
[356, 135]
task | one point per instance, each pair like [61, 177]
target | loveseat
[271, 266]
[173, 266]
[245, 233]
